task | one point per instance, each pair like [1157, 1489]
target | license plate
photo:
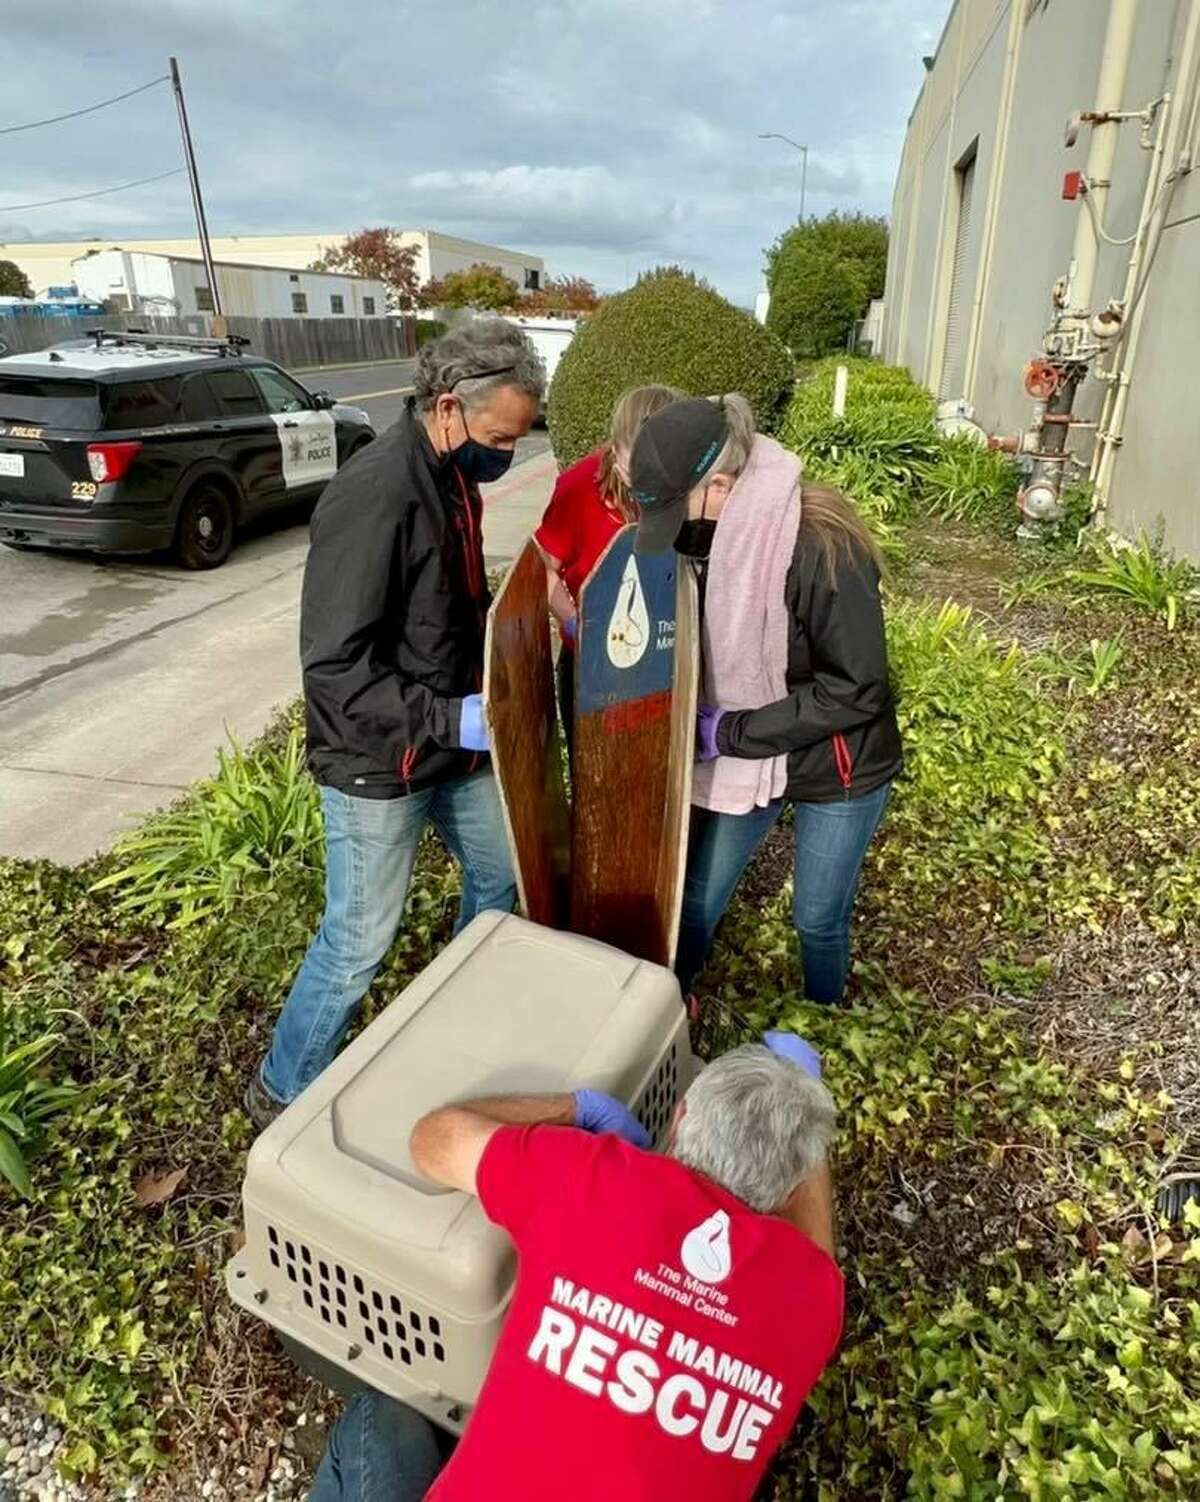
[13, 465]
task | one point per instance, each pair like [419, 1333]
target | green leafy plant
[1145, 574]
[821, 275]
[669, 328]
[226, 839]
[967, 483]
[27, 1102]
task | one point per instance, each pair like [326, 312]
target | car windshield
[49, 403]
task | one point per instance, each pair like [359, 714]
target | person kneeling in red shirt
[671, 1312]
[590, 505]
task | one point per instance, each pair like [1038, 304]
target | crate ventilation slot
[657, 1104]
[344, 1300]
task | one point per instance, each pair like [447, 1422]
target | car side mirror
[322, 401]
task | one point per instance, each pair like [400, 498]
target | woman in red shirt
[590, 505]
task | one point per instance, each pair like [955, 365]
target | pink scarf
[746, 622]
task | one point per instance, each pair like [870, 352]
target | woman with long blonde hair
[796, 701]
[590, 505]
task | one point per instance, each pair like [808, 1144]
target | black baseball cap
[673, 452]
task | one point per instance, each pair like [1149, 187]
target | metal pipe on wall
[1110, 88]
[1188, 87]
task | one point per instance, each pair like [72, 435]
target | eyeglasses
[482, 375]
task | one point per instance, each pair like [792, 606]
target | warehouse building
[170, 286]
[50, 264]
[994, 218]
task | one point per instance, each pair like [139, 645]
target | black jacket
[392, 618]
[838, 721]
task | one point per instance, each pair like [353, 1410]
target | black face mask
[695, 538]
[478, 462]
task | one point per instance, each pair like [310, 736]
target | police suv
[129, 443]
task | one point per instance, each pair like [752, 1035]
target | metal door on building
[958, 312]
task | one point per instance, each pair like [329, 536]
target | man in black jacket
[392, 624]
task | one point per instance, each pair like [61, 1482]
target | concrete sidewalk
[121, 728]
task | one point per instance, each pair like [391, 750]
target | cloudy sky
[605, 135]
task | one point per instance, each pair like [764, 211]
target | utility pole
[803, 150]
[220, 329]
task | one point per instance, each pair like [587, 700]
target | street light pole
[219, 329]
[803, 150]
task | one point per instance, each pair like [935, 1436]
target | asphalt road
[120, 677]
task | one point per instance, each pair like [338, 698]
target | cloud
[603, 134]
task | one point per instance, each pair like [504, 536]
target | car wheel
[204, 535]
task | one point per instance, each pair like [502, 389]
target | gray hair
[475, 361]
[756, 1124]
[739, 415]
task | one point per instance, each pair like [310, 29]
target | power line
[8, 130]
[11, 208]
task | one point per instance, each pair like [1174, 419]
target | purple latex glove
[707, 720]
[569, 629]
[795, 1050]
[472, 727]
[597, 1112]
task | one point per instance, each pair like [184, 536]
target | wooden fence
[295, 343]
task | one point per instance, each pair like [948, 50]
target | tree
[821, 275]
[377, 253]
[669, 328]
[13, 281]
[479, 286]
[561, 294]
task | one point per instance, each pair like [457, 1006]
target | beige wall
[49, 265]
[1058, 46]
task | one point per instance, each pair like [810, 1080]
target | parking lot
[119, 678]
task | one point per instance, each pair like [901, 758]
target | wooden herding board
[518, 695]
[637, 668]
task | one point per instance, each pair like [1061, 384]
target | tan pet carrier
[356, 1259]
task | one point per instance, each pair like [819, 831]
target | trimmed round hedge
[672, 329]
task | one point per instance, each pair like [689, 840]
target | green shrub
[1146, 575]
[27, 1101]
[671, 329]
[226, 840]
[429, 329]
[821, 275]
[966, 483]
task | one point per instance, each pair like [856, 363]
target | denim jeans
[831, 844]
[379, 1451]
[370, 847]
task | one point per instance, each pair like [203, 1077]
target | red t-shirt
[662, 1335]
[578, 524]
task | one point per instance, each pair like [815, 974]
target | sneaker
[259, 1104]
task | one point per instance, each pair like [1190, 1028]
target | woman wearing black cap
[796, 702]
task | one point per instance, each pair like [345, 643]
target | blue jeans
[370, 847]
[831, 844]
[379, 1451]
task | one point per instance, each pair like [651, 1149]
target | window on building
[236, 393]
[280, 393]
[337, 303]
[294, 277]
[533, 279]
[299, 302]
[369, 306]
[204, 302]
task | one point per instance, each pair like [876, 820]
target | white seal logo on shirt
[629, 626]
[705, 1251]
